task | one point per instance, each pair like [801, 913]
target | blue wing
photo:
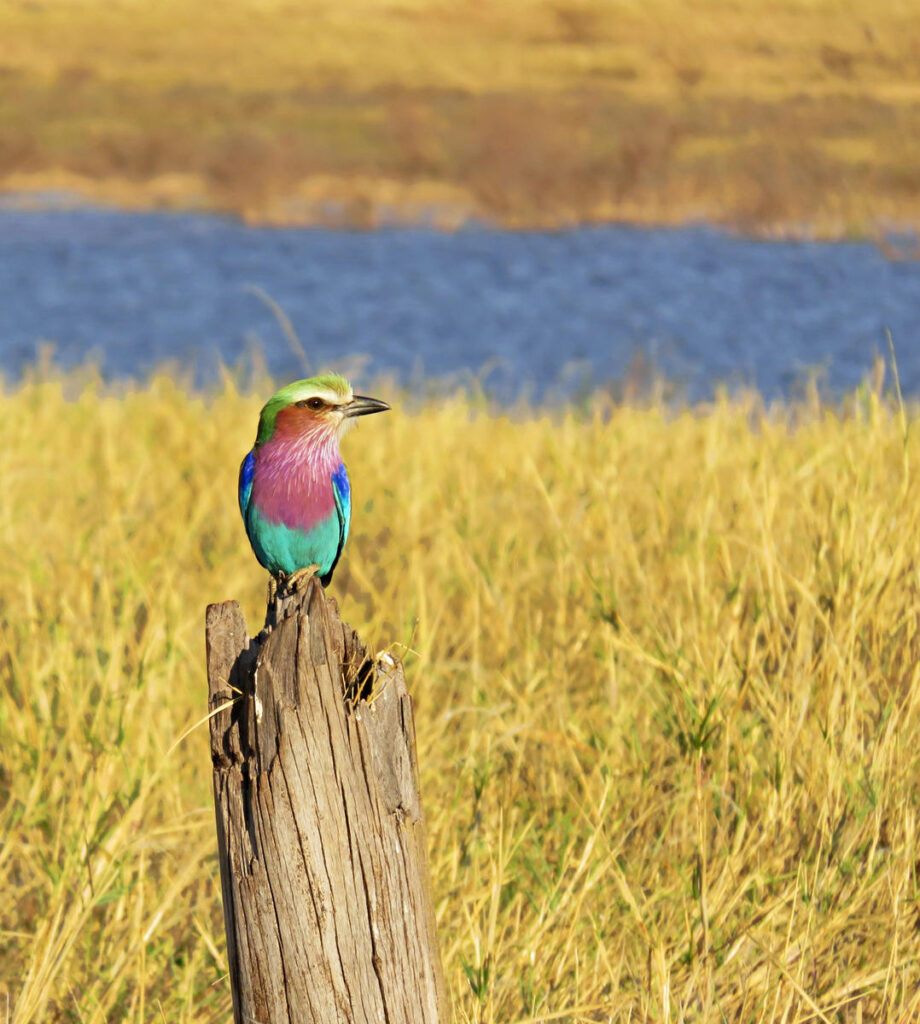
[341, 490]
[247, 471]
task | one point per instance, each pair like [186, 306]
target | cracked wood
[321, 839]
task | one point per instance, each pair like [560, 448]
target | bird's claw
[298, 580]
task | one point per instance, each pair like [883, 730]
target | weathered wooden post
[323, 858]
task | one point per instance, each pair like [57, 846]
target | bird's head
[323, 406]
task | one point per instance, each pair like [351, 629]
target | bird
[294, 492]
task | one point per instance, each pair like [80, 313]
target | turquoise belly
[283, 549]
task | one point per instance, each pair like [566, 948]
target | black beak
[362, 406]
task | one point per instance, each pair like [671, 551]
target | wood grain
[322, 844]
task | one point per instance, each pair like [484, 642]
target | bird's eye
[312, 403]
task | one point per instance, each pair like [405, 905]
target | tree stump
[323, 854]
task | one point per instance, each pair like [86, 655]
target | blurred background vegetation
[665, 669]
[771, 116]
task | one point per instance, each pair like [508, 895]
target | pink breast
[292, 483]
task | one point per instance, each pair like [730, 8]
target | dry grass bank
[665, 669]
[525, 112]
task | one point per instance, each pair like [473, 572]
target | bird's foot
[298, 580]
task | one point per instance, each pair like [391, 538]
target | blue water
[549, 312]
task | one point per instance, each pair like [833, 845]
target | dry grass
[525, 111]
[665, 667]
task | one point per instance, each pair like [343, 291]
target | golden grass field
[665, 666]
[772, 116]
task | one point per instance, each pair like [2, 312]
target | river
[544, 314]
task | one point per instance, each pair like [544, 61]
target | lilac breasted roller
[293, 488]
